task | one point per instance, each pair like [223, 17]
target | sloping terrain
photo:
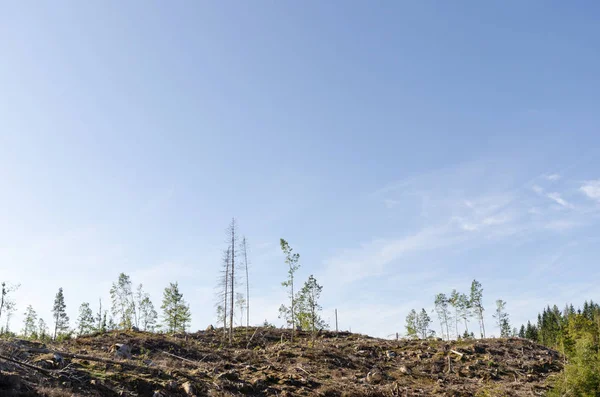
[262, 362]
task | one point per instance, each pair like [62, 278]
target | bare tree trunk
[293, 319]
[226, 291]
[247, 284]
[232, 280]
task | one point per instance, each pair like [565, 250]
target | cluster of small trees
[129, 310]
[454, 311]
[304, 311]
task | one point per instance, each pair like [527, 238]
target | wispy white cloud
[558, 199]
[370, 259]
[538, 189]
[591, 189]
[552, 177]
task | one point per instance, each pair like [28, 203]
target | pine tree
[30, 323]
[464, 308]
[176, 312]
[61, 320]
[441, 308]
[477, 304]
[522, 332]
[309, 310]
[291, 261]
[85, 321]
[423, 322]
[454, 301]
[123, 306]
[502, 319]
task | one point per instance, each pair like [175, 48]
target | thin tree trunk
[247, 286]
[312, 315]
[447, 329]
[232, 280]
[482, 323]
[225, 292]
[456, 320]
[293, 319]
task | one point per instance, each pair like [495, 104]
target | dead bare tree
[222, 294]
[244, 248]
[232, 234]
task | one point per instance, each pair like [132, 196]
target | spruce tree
[61, 320]
[176, 312]
[85, 320]
[476, 302]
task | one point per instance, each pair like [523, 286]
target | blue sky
[402, 148]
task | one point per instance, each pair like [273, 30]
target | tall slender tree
[232, 232]
[502, 319]
[454, 301]
[223, 291]
[30, 323]
[100, 318]
[245, 256]
[123, 306]
[7, 304]
[441, 308]
[291, 260]
[59, 310]
[464, 308]
[477, 304]
[147, 315]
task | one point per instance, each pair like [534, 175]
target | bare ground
[263, 362]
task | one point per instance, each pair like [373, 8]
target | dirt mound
[263, 362]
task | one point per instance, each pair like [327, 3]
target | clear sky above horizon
[402, 148]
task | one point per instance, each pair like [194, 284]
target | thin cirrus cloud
[591, 189]
[467, 209]
[552, 177]
[558, 199]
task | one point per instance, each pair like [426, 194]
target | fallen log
[44, 371]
